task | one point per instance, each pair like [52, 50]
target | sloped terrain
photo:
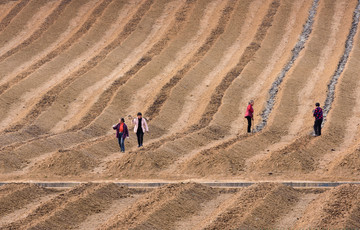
[182, 206]
[70, 69]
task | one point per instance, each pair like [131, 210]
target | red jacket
[125, 131]
[249, 111]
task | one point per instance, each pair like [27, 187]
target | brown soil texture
[70, 69]
[259, 206]
[337, 208]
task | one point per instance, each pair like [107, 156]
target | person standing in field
[122, 132]
[249, 114]
[140, 128]
[318, 114]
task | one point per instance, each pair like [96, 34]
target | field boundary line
[224, 184]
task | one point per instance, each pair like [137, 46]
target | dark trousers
[317, 126]
[121, 142]
[140, 137]
[249, 124]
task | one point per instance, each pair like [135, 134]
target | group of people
[141, 126]
[317, 113]
[122, 131]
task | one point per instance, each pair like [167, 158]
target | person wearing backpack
[122, 132]
[318, 114]
[249, 114]
[140, 128]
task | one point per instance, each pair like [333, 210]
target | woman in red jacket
[249, 115]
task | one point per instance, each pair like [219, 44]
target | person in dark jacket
[122, 132]
[249, 115]
[318, 114]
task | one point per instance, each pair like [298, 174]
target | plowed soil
[70, 69]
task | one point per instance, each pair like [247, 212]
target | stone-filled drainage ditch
[295, 54]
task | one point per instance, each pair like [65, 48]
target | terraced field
[70, 69]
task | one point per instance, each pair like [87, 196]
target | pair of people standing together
[317, 113]
[122, 131]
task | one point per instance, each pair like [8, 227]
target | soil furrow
[76, 211]
[288, 221]
[10, 188]
[257, 207]
[85, 27]
[5, 8]
[49, 97]
[163, 207]
[70, 20]
[37, 34]
[249, 53]
[49, 206]
[207, 210]
[21, 197]
[26, 210]
[67, 61]
[339, 208]
[117, 206]
[57, 203]
[342, 63]
[107, 96]
[160, 99]
[25, 27]
[12, 14]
